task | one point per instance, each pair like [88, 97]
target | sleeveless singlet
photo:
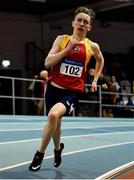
[70, 72]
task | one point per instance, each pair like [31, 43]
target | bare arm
[99, 64]
[55, 55]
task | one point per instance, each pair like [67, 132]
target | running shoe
[36, 163]
[57, 156]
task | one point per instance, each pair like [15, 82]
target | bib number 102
[71, 70]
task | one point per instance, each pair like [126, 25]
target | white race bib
[71, 68]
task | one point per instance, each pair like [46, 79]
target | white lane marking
[68, 153]
[14, 130]
[66, 137]
[75, 127]
[20, 123]
[20, 141]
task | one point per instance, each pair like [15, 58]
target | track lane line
[66, 137]
[65, 154]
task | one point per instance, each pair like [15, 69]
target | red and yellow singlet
[70, 72]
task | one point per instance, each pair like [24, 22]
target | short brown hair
[83, 9]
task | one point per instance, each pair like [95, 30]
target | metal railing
[19, 90]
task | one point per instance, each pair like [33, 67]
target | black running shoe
[36, 163]
[57, 156]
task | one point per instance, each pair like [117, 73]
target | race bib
[71, 67]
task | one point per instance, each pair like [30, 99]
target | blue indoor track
[93, 147]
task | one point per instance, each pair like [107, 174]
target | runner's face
[81, 23]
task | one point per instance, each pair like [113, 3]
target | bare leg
[56, 136]
[52, 127]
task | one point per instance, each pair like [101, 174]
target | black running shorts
[67, 97]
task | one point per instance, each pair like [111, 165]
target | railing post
[45, 86]
[13, 95]
[100, 101]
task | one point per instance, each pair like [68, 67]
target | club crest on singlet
[71, 67]
[76, 49]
